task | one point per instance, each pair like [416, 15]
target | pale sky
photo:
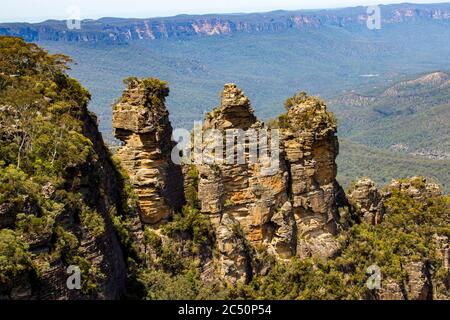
[39, 10]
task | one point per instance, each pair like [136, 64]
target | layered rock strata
[283, 199]
[311, 147]
[289, 210]
[368, 199]
[141, 121]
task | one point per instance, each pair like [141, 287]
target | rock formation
[419, 188]
[420, 283]
[288, 211]
[67, 209]
[311, 147]
[141, 121]
[368, 199]
[241, 194]
[291, 209]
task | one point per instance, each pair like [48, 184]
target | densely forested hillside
[59, 189]
[411, 116]
[357, 160]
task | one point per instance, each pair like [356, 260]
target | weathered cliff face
[100, 185]
[239, 196]
[123, 30]
[141, 121]
[421, 282]
[288, 210]
[255, 209]
[60, 193]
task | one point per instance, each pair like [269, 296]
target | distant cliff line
[117, 30]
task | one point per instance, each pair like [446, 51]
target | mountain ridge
[408, 116]
[122, 30]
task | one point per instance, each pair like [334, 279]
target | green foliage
[92, 221]
[123, 228]
[306, 113]
[191, 191]
[66, 245]
[153, 240]
[46, 162]
[184, 286]
[156, 91]
[14, 257]
[190, 222]
[332, 61]
[299, 98]
[90, 275]
[406, 234]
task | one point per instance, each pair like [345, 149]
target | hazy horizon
[37, 11]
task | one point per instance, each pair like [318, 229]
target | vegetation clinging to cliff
[305, 113]
[42, 152]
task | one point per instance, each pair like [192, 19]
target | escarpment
[237, 188]
[141, 121]
[257, 209]
[61, 196]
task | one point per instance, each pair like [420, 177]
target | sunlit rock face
[141, 121]
[288, 211]
[311, 148]
[281, 200]
[368, 200]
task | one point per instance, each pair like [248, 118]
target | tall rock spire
[141, 121]
[311, 147]
[241, 201]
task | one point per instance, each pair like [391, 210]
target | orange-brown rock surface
[290, 210]
[141, 121]
[311, 148]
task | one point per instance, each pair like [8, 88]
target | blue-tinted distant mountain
[187, 26]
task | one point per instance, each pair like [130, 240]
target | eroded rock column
[141, 121]
[311, 147]
[243, 199]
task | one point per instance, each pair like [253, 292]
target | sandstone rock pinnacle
[311, 148]
[141, 121]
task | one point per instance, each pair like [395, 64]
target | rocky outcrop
[420, 282]
[289, 210]
[368, 200]
[241, 191]
[141, 121]
[419, 188]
